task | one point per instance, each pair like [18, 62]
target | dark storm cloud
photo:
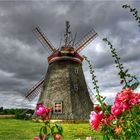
[23, 60]
[15, 100]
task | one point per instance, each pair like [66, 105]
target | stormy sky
[23, 60]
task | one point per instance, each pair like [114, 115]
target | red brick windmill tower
[64, 87]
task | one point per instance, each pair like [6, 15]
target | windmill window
[58, 107]
[75, 87]
[76, 70]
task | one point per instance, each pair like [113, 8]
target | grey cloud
[15, 100]
[24, 57]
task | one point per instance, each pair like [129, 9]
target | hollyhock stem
[125, 77]
[134, 13]
[96, 87]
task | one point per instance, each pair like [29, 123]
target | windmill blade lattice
[92, 95]
[43, 40]
[85, 41]
[35, 90]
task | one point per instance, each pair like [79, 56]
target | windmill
[64, 88]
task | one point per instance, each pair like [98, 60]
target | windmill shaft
[67, 33]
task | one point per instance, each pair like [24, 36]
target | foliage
[48, 131]
[126, 78]
[7, 111]
[120, 121]
[95, 84]
[20, 113]
[13, 111]
[134, 13]
[123, 120]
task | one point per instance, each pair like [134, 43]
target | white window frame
[60, 103]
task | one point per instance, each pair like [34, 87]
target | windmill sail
[43, 40]
[35, 90]
[92, 95]
[85, 41]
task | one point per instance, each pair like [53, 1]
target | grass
[12, 129]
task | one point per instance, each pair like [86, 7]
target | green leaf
[104, 98]
[122, 74]
[40, 133]
[130, 80]
[126, 71]
[128, 75]
[59, 128]
[104, 39]
[135, 85]
[47, 122]
[52, 129]
[50, 138]
[106, 137]
[45, 130]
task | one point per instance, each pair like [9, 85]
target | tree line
[20, 113]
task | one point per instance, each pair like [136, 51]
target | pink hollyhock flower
[116, 111]
[134, 98]
[48, 110]
[95, 119]
[118, 130]
[134, 101]
[104, 121]
[110, 118]
[127, 90]
[122, 105]
[57, 137]
[88, 138]
[100, 115]
[43, 137]
[126, 106]
[37, 138]
[40, 109]
[123, 96]
[98, 109]
[118, 105]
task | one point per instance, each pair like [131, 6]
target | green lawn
[12, 129]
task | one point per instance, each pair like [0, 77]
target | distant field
[7, 116]
[12, 129]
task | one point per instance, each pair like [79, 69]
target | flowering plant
[48, 131]
[120, 121]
